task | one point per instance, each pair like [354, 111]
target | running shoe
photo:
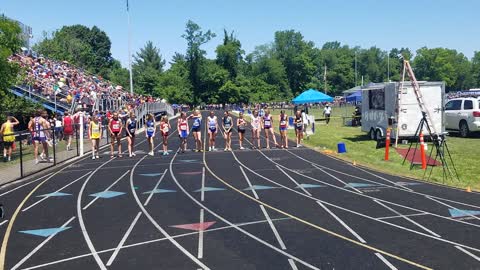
[93, 157]
[97, 156]
[210, 148]
[299, 145]
[242, 148]
[42, 156]
[129, 155]
[133, 154]
[225, 150]
[151, 154]
[36, 161]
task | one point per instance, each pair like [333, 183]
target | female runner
[212, 130]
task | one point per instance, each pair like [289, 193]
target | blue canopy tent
[355, 97]
[312, 96]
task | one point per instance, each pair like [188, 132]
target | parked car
[463, 115]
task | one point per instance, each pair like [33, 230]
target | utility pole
[130, 49]
[325, 79]
[356, 68]
[388, 67]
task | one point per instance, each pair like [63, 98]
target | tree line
[272, 72]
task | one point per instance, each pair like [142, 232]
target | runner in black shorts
[241, 124]
[298, 127]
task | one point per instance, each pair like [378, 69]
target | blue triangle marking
[359, 185]
[206, 189]
[45, 232]
[55, 194]
[310, 186]
[151, 174]
[135, 188]
[107, 194]
[159, 191]
[454, 212]
[188, 160]
[408, 183]
[260, 187]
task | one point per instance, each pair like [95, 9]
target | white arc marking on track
[26, 184]
[447, 205]
[81, 222]
[236, 226]
[336, 178]
[152, 220]
[156, 186]
[58, 190]
[40, 246]
[401, 216]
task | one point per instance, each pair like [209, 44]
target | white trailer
[379, 102]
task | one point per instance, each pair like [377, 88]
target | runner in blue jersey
[150, 132]
[130, 133]
[197, 130]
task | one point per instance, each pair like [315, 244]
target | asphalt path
[243, 209]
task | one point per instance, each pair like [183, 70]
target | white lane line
[346, 190]
[360, 214]
[58, 190]
[326, 209]
[468, 253]
[108, 188]
[154, 222]
[202, 193]
[336, 178]
[447, 205]
[234, 225]
[156, 186]
[26, 184]
[200, 237]
[292, 264]
[147, 243]
[409, 220]
[396, 187]
[401, 216]
[294, 181]
[40, 246]
[385, 261]
[124, 238]
[264, 211]
[368, 180]
[3, 222]
[90, 245]
[343, 223]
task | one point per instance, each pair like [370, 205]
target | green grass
[362, 150]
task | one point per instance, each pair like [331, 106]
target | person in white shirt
[327, 112]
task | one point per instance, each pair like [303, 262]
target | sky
[384, 24]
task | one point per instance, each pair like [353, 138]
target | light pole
[130, 49]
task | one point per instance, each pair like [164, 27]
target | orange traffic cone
[469, 189]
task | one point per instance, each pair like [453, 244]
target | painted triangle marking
[55, 194]
[151, 174]
[158, 190]
[191, 173]
[135, 188]
[206, 189]
[454, 212]
[259, 187]
[189, 160]
[45, 232]
[195, 226]
[310, 186]
[107, 194]
[359, 185]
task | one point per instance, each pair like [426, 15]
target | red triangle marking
[191, 173]
[195, 226]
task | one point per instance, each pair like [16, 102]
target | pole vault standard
[129, 49]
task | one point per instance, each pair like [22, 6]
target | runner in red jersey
[67, 123]
[115, 128]
[164, 130]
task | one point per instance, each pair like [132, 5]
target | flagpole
[130, 49]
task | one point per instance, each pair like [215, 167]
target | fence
[51, 152]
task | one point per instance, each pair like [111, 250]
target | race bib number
[299, 124]
[183, 127]
[196, 124]
[95, 130]
[116, 126]
[283, 123]
[165, 129]
[267, 123]
[132, 130]
[150, 129]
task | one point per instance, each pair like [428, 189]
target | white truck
[379, 102]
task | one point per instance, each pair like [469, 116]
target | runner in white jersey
[212, 123]
[256, 121]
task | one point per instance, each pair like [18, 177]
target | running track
[246, 209]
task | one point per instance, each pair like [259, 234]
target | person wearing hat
[327, 111]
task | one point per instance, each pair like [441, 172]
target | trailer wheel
[372, 134]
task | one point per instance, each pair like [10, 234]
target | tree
[195, 56]
[79, 45]
[476, 70]
[147, 67]
[229, 54]
[174, 84]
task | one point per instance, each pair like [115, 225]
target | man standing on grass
[326, 112]
[8, 137]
